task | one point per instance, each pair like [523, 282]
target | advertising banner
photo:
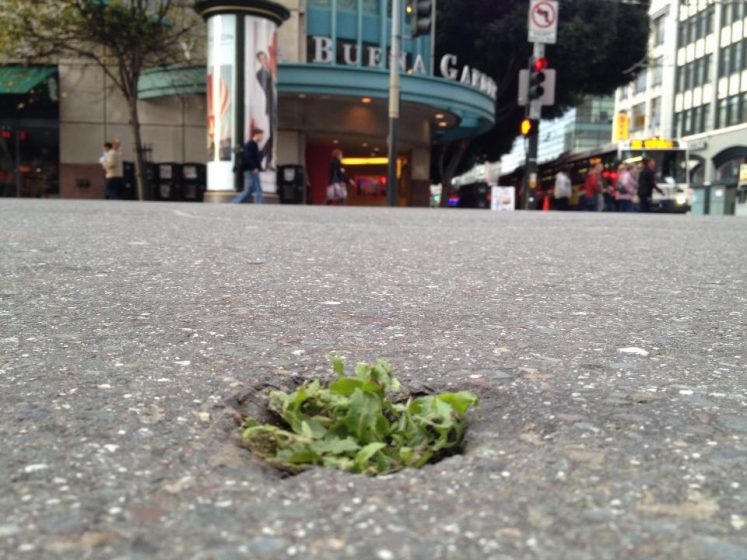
[221, 96]
[503, 199]
[261, 98]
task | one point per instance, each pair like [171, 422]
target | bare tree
[122, 37]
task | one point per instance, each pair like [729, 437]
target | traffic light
[421, 19]
[528, 127]
[537, 78]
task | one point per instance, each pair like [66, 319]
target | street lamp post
[394, 90]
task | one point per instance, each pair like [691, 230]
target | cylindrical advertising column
[241, 86]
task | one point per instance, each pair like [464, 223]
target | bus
[672, 167]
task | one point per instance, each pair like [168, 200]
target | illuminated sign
[622, 128]
[654, 144]
[365, 161]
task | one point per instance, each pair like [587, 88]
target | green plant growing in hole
[363, 424]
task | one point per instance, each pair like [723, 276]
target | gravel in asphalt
[609, 353]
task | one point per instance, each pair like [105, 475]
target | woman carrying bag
[337, 188]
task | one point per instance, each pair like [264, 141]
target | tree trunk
[139, 159]
[448, 170]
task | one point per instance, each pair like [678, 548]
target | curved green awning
[475, 109]
[162, 82]
[17, 80]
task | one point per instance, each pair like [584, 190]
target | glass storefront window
[320, 3]
[350, 5]
[729, 171]
[371, 7]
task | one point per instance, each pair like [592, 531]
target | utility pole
[534, 110]
[533, 91]
[394, 90]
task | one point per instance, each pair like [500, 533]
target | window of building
[676, 125]
[640, 82]
[700, 25]
[655, 114]
[710, 14]
[722, 117]
[707, 68]
[705, 122]
[734, 110]
[690, 120]
[371, 7]
[638, 117]
[680, 79]
[696, 116]
[729, 171]
[657, 71]
[692, 30]
[743, 106]
[659, 30]
[690, 75]
[737, 53]
[724, 67]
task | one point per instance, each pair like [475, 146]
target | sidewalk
[609, 352]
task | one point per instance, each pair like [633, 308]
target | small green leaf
[364, 455]
[338, 367]
[365, 420]
[461, 402]
[345, 386]
[335, 446]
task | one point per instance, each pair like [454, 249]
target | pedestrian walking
[626, 189]
[593, 188]
[647, 185]
[252, 166]
[113, 166]
[608, 194]
[337, 188]
[563, 188]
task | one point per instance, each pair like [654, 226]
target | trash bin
[721, 200]
[129, 188]
[474, 195]
[291, 184]
[194, 182]
[700, 200]
[168, 181]
[740, 206]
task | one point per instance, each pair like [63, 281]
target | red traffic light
[539, 64]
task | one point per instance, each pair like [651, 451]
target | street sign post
[543, 21]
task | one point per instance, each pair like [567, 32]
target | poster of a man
[260, 102]
[266, 79]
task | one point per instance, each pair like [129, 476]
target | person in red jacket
[593, 188]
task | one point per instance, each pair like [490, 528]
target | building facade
[700, 94]
[332, 83]
[581, 128]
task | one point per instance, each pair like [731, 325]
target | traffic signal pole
[394, 91]
[535, 112]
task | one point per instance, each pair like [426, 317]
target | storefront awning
[161, 82]
[17, 80]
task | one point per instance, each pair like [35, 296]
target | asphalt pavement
[609, 353]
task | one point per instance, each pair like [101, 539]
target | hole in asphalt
[253, 403]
